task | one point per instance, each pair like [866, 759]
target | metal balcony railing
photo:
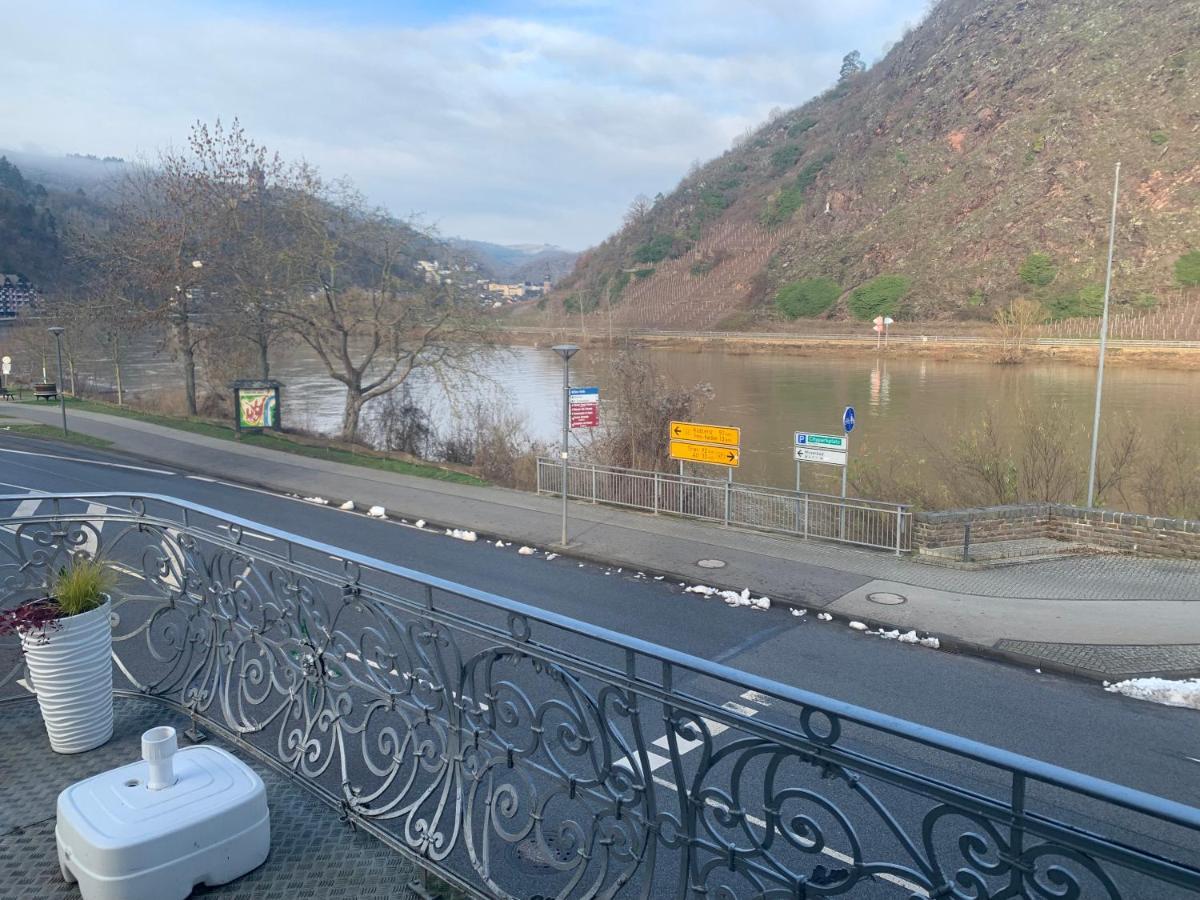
[864, 523]
[520, 753]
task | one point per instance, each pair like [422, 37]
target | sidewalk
[1102, 616]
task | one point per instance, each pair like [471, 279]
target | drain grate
[711, 563]
[887, 598]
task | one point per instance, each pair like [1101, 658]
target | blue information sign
[848, 419]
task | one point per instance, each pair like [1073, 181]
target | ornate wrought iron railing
[864, 523]
[519, 753]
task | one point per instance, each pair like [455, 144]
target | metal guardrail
[853, 338]
[864, 523]
[520, 753]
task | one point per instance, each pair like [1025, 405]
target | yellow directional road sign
[717, 456]
[706, 434]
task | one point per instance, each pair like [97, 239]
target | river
[901, 402]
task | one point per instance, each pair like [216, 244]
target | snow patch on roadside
[894, 634]
[377, 512]
[1184, 693]
[461, 534]
[731, 598]
[320, 501]
[527, 551]
[348, 505]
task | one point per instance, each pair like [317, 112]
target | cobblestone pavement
[1115, 660]
[313, 855]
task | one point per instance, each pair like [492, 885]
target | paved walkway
[1098, 615]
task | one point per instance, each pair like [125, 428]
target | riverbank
[297, 443]
[1183, 356]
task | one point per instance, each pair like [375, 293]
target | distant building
[16, 293]
[507, 291]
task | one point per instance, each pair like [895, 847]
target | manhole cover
[886, 599]
[711, 563]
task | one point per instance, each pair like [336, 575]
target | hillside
[518, 262]
[971, 165]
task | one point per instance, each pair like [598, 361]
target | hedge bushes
[654, 250]
[1187, 269]
[807, 298]
[1038, 269]
[879, 297]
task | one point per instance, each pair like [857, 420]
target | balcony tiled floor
[313, 854]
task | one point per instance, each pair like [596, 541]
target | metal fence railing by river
[865, 523]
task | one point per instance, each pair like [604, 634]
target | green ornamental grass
[82, 586]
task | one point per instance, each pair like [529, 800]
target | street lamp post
[57, 331]
[566, 351]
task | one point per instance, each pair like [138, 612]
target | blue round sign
[848, 419]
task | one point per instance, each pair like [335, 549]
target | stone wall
[1125, 532]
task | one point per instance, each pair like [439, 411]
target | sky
[532, 122]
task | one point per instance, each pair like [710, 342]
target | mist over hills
[518, 262]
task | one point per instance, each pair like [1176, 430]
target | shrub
[807, 298]
[655, 249]
[1145, 300]
[976, 298]
[81, 586]
[714, 199]
[1158, 138]
[642, 273]
[1187, 269]
[574, 303]
[1038, 269]
[1091, 300]
[783, 206]
[879, 297]
[1087, 302]
[785, 157]
[617, 285]
[798, 128]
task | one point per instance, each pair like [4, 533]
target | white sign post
[827, 449]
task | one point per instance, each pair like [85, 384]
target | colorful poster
[256, 408]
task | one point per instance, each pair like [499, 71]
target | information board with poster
[256, 405]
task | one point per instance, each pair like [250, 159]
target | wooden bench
[45, 392]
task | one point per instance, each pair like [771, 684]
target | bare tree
[371, 322]
[154, 252]
[244, 192]
[638, 210]
[1015, 327]
[637, 434]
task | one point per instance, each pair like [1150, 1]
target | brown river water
[901, 402]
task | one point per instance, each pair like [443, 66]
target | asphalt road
[1065, 721]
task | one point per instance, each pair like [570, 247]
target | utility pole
[566, 351]
[57, 331]
[1112, 236]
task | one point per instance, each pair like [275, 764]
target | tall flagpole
[1112, 236]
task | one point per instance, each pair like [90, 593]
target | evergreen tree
[852, 64]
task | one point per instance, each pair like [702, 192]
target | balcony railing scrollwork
[516, 752]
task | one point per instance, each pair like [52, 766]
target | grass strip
[265, 439]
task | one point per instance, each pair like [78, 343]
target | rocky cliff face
[986, 137]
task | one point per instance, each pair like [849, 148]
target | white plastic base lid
[120, 839]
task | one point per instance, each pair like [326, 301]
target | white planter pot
[71, 671]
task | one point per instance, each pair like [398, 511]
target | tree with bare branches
[370, 320]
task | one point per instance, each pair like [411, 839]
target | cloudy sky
[511, 122]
